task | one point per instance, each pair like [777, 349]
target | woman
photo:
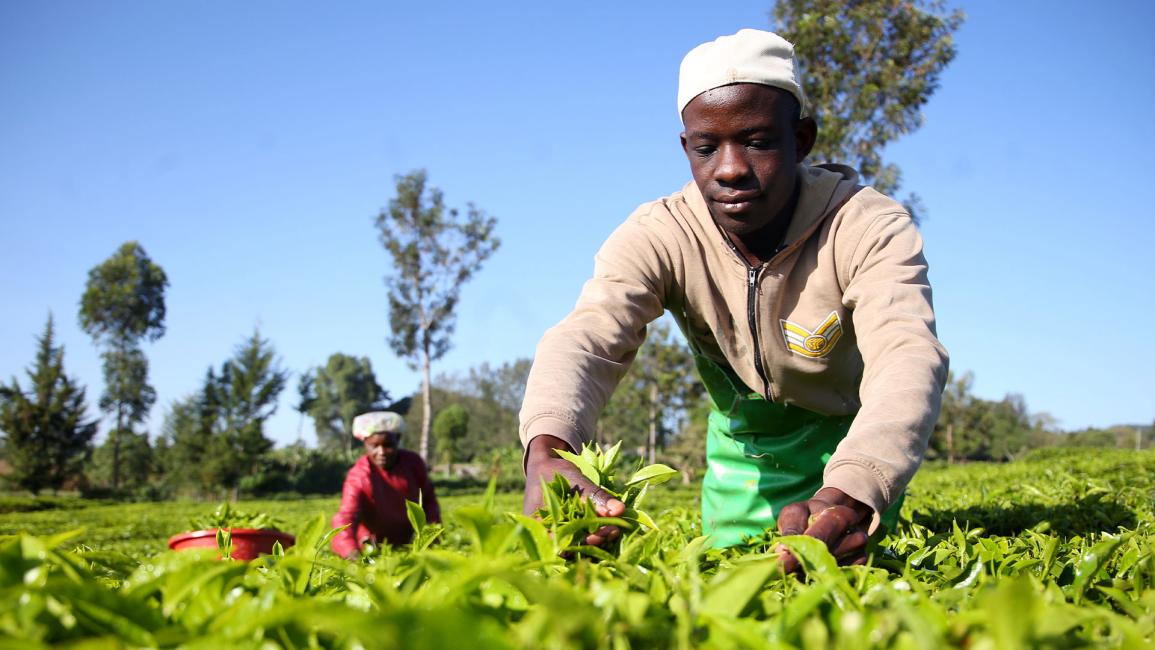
[378, 485]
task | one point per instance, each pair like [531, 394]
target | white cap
[367, 424]
[750, 56]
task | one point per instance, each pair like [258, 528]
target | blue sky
[249, 146]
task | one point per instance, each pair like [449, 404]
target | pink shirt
[373, 502]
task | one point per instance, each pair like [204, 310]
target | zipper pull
[752, 273]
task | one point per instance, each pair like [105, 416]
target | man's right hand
[542, 463]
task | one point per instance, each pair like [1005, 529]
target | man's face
[744, 142]
[382, 448]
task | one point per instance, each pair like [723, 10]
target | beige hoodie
[838, 322]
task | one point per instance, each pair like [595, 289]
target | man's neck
[759, 247]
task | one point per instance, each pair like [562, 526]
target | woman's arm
[345, 543]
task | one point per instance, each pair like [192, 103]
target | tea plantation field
[1056, 551]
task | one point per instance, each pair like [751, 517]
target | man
[378, 485]
[803, 296]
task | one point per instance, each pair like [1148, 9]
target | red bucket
[248, 543]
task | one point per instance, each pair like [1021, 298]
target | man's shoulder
[871, 201]
[668, 223]
[866, 209]
[665, 209]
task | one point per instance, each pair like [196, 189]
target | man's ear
[682, 137]
[805, 135]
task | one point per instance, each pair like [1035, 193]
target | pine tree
[47, 437]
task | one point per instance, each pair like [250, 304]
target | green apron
[760, 457]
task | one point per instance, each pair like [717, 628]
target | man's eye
[760, 144]
[704, 150]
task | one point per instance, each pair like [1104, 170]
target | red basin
[248, 543]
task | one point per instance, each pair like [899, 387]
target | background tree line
[869, 67]
[215, 440]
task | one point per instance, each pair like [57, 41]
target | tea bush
[1054, 551]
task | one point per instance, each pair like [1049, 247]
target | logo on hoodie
[813, 343]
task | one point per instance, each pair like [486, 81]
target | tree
[952, 416]
[1010, 427]
[244, 395]
[186, 439]
[435, 250]
[46, 437]
[654, 395]
[125, 460]
[492, 395]
[449, 429]
[336, 393]
[123, 303]
[687, 450]
[215, 438]
[666, 369]
[868, 68]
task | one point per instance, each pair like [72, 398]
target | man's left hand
[832, 516]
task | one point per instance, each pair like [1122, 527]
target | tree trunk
[950, 444]
[426, 407]
[116, 446]
[652, 456]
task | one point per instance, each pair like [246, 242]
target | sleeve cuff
[860, 481]
[549, 425]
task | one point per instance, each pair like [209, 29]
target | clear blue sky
[249, 146]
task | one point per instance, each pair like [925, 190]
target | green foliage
[334, 394]
[971, 428]
[123, 303]
[569, 517]
[651, 401]
[227, 516]
[434, 251]
[492, 396]
[297, 469]
[450, 427]
[495, 579]
[137, 462]
[868, 68]
[216, 437]
[124, 298]
[687, 450]
[46, 435]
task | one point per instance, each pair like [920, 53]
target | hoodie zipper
[751, 302]
[751, 317]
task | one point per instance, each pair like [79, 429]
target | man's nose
[733, 166]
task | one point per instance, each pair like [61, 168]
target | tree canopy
[216, 437]
[337, 392]
[868, 67]
[123, 301]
